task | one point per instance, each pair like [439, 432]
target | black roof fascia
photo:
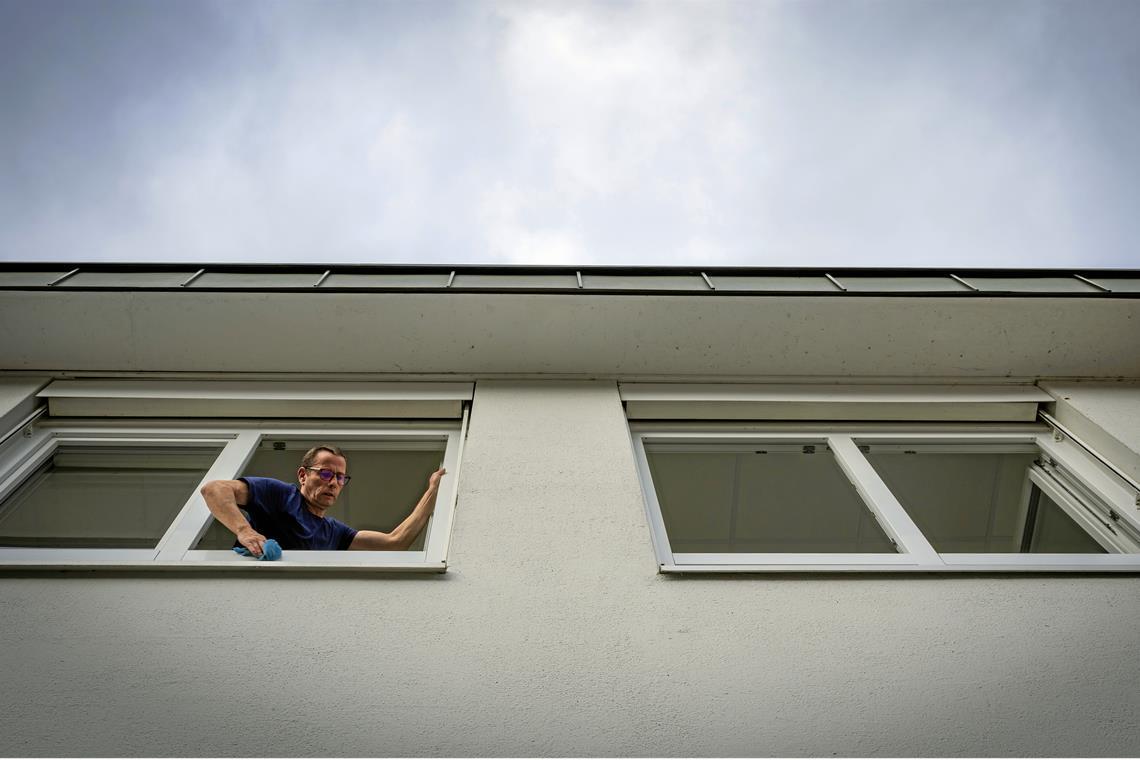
[830, 273]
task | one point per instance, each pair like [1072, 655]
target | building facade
[679, 517]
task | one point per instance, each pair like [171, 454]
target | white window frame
[915, 553]
[21, 456]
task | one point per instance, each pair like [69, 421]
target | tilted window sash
[1100, 500]
[22, 457]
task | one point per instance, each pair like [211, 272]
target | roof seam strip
[61, 278]
[191, 278]
[968, 285]
[1096, 285]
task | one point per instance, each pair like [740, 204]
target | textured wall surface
[551, 633]
[578, 335]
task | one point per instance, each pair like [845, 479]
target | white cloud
[510, 239]
[640, 132]
[626, 116]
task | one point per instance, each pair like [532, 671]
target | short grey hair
[311, 454]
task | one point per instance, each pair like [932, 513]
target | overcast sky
[761, 133]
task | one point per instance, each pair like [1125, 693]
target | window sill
[232, 564]
[951, 563]
[143, 559]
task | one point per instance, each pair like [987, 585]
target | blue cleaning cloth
[270, 551]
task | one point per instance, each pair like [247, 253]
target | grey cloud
[885, 133]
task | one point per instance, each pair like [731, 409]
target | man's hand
[252, 540]
[224, 499]
[435, 477]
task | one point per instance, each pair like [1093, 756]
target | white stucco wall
[551, 633]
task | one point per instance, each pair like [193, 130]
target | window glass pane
[765, 500]
[388, 480]
[975, 501]
[696, 494]
[1054, 532]
[86, 497]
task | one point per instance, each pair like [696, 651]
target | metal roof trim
[1093, 283]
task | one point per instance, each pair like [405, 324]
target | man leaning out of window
[294, 514]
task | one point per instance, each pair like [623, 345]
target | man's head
[320, 462]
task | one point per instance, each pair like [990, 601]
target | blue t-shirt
[277, 510]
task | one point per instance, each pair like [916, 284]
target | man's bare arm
[223, 497]
[405, 533]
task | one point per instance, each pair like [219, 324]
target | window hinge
[809, 449]
[279, 445]
[1099, 517]
[26, 426]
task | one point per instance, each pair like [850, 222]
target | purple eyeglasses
[328, 475]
